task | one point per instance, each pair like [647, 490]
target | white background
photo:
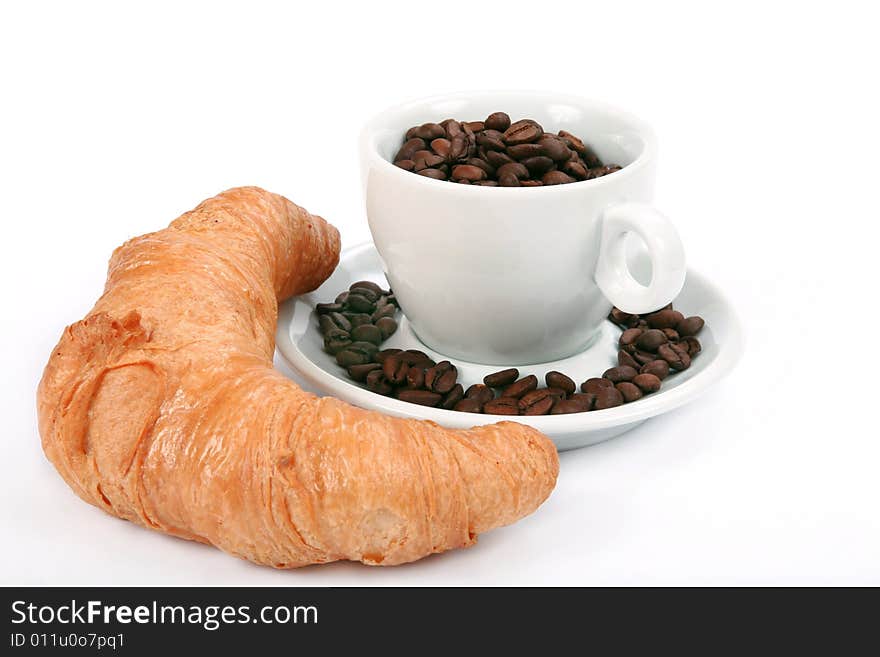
[114, 120]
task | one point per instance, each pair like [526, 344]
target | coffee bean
[413, 356]
[630, 336]
[376, 383]
[469, 406]
[590, 158]
[623, 319]
[585, 399]
[395, 370]
[556, 178]
[444, 382]
[647, 382]
[643, 357]
[574, 143]
[651, 340]
[359, 372]
[367, 333]
[360, 303]
[524, 151]
[513, 169]
[624, 359]
[326, 323]
[325, 308]
[455, 395]
[387, 310]
[481, 393]
[576, 169]
[693, 345]
[497, 121]
[620, 373]
[409, 148]
[531, 183]
[676, 360]
[452, 128]
[502, 378]
[458, 148]
[538, 166]
[536, 402]
[630, 391]
[521, 387]
[415, 377]
[502, 406]
[564, 406]
[522, 132]
[421, 397]
[385, 353]
[387, 326]
[491, 140]
[608, 398]
[667, 318]
[498, 159]
[441, 146]
[336, 340]
[680, 348]
[671, 334]
[508, 180]
[429, 131]
[690, 326]
[594, 385]
[555, 148]
[340, 320]
[559, 380]
[357, 319]
[406, 165]
[468, 172]
[659, 368]
[342, 297]
[348, 357]
[474, 126]
[482, 164]
[436, 174]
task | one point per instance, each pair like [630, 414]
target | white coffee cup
[518, 275]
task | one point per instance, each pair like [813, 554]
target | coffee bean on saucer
[375, 288]
[522, 386]
[659, 368]
[565, 406]
[385, 353]
[556, 379]
[666, 318]
[513, 169]
[356, 319]
[585, 399]
[625, 359]
[623, 319]
[555, 148]
[387, 310]
[415, 377]
[497, 121]
[421, 397]
[620, 373]
[690, 326]
[443, 383]
[630, 391]
[671, 334]
[676, 360]
[376, 383]
[557, 393]
[502, 406]
[595, 384]
[348, 357]
[693, 345]
[324, 308]
[608, 398]
[360, 372]
[429, 131]
[630, 336]
[342, 297]
[508, 180]
[643, 357]
[367, 333]
[647, 382]
[481, 393]
[651, 340]
[413, 356]
[387, 326]
[501, 378]
[360, 303]
[536, 402]
[467, 405]
[395, 370]
[406, 165]
[455, 395]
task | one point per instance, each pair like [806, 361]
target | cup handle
[664, 247]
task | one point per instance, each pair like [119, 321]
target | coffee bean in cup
[497, 152]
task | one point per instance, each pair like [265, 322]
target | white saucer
[300, 343]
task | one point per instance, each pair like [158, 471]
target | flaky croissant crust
[162, 407]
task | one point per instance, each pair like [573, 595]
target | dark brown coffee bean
[585, 399]
[444, 382]
[452, 128]
[492, 140]
[520, 387]
[367, 293]
[497, 121]
[565, 406]
[367, 333]
[573, 142]
[361, 303]
[559, 380]
[373, 288]
[395, 370]
[429, 131]
[501, 378]
[604, 171]
[482, 164]
[690, 326]
[387, 310]
[522, 132]
[509, 180]
[676, 360]
[335, 343]
[651, 340]
[458, 149]
[538, 166]
[481, 393]
[467, 172]
[325, 308]
[630, 391]
[469, 406]
[608, 398]
[376, 383]
[359, 372]
[342, 297]
[693, 345]
[474, 126]
[624, 359]
[498, 159]
[413, 356]
[441, 146]
[348, 357]
[387, 326]
[594, 385]
[664, 319]
[385, 353]
[455, 395]
[576, 169]
[643, 357]
[536, 402]
[421, 397]
[621, 318]
[647, 382]
[406, 165]
[427, 160]
[415, 377]
[436, 174]
[502, 406]
[671, 334]
[590, 158]
[513, 169]
[357, 319]
[556, 178]
[555, 148]
[523, 151]
[659, 368]
[620, 373]
[630, 336]
[680, 348]
[409, 148]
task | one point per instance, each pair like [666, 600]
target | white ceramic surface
[529, 273]
[299, 342]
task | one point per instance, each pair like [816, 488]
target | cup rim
[369, 146]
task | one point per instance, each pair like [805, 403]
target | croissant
[162, 407]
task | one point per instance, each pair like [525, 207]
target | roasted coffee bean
[630, 336]
[643, 357]
[458, 149]
[536, 402]
[452, 397]
[374, 288]
[595, 384]
[359, 372]
[574, 143]
[474, 126]
[651, 339]
[441, 146]
[508, 180]
[335, 345]
[357, 319]
[502, 378]
[647, 382]
[444, 382]
[525, 151]
[491, 140]
[585, 399]
[415, 377]
[480, 392]
[662, 319]
[693, 345]
[498, 159]
[680, 348]
[395, 370]
[376, 383]
[326, 323]
[630, 391]
[559, 380]
[555, 148]
[427, 160]
[482, 164]
[387, 326]
[469, 406]
[620, 373]
[497, 121]
[452, 128]
[557, 393]
[538, 166]
[659, 368]
[522, 132]
[676, 360]
[335, 333]
[690, 326]
[625, 359]
[421, 397]
[556, 178]
[342, 297]
[348, 357]
[531, 183]
[367, 333]
[367, 293]
[590, 158]
[608, 168]
[387, 310]
[608, 398]
[406, 165]
[623, 319]
[564, 406]
[576, 169]
[324, 308]
[467, 172]
[339, 320]
[385, 353]
[522, 386]
[515, 169]
[409, 148]
[502, 406]
[429, 131]
[671, 334]
[413, 356]
[436, 174]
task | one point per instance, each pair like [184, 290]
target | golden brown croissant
[162, 407]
